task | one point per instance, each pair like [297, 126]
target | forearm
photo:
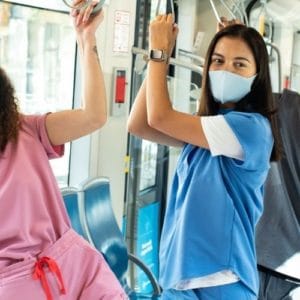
[137, 120]
[94, 94]
[137, 123]
[158, 100]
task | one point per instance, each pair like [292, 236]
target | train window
[37, 49]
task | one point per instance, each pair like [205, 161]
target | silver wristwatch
[157, 55]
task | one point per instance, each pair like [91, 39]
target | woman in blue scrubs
[207, 248]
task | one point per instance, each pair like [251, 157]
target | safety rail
[173, 61]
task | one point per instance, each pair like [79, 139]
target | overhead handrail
[239, 6]
[241, 10]
[159, 5]
[84, 3]
[228, 9]
[172, 61]
[215, 11]
[276, 49]
[192, 55]
[81, 5]
[263, 19]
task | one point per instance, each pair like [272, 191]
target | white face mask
[229, 87]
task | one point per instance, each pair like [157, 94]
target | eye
[240, 65]
[216, 60]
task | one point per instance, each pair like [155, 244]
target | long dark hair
[9, 114]
[260, 98]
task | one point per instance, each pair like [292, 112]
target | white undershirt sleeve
[221, 138]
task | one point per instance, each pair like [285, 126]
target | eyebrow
[238, 57]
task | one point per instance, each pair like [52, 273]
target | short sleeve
[254, 134]
[220, 137]
[36, 124]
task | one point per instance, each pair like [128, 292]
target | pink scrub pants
[68, 270]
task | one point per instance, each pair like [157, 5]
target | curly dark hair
[9, 113]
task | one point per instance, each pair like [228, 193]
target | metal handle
[276, 49]
[172, 7]
[84, 4]
[173, 61]
[241, 11]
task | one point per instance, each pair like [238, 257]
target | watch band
[157, 55]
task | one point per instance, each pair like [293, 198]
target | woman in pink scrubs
[41, 257]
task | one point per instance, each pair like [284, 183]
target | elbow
[129, 127]
[133, 128]
[155, 121]
[137, 128]
[97, 122]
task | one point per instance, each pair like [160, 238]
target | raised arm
[160, 114]
[137, 123]
[65, 126]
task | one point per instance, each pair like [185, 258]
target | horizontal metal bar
[173, 61]
[192, 56]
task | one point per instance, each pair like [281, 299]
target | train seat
[72, 203]
[105, 235]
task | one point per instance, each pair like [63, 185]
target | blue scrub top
[214, 205]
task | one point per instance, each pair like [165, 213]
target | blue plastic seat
[106, 236]
[73, 206]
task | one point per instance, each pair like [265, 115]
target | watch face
[156, 54]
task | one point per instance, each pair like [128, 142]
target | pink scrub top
[32, 213]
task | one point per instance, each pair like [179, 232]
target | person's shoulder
[31, 122]
[252, 117]
[249, 122]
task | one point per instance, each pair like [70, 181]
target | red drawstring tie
[39, 273]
